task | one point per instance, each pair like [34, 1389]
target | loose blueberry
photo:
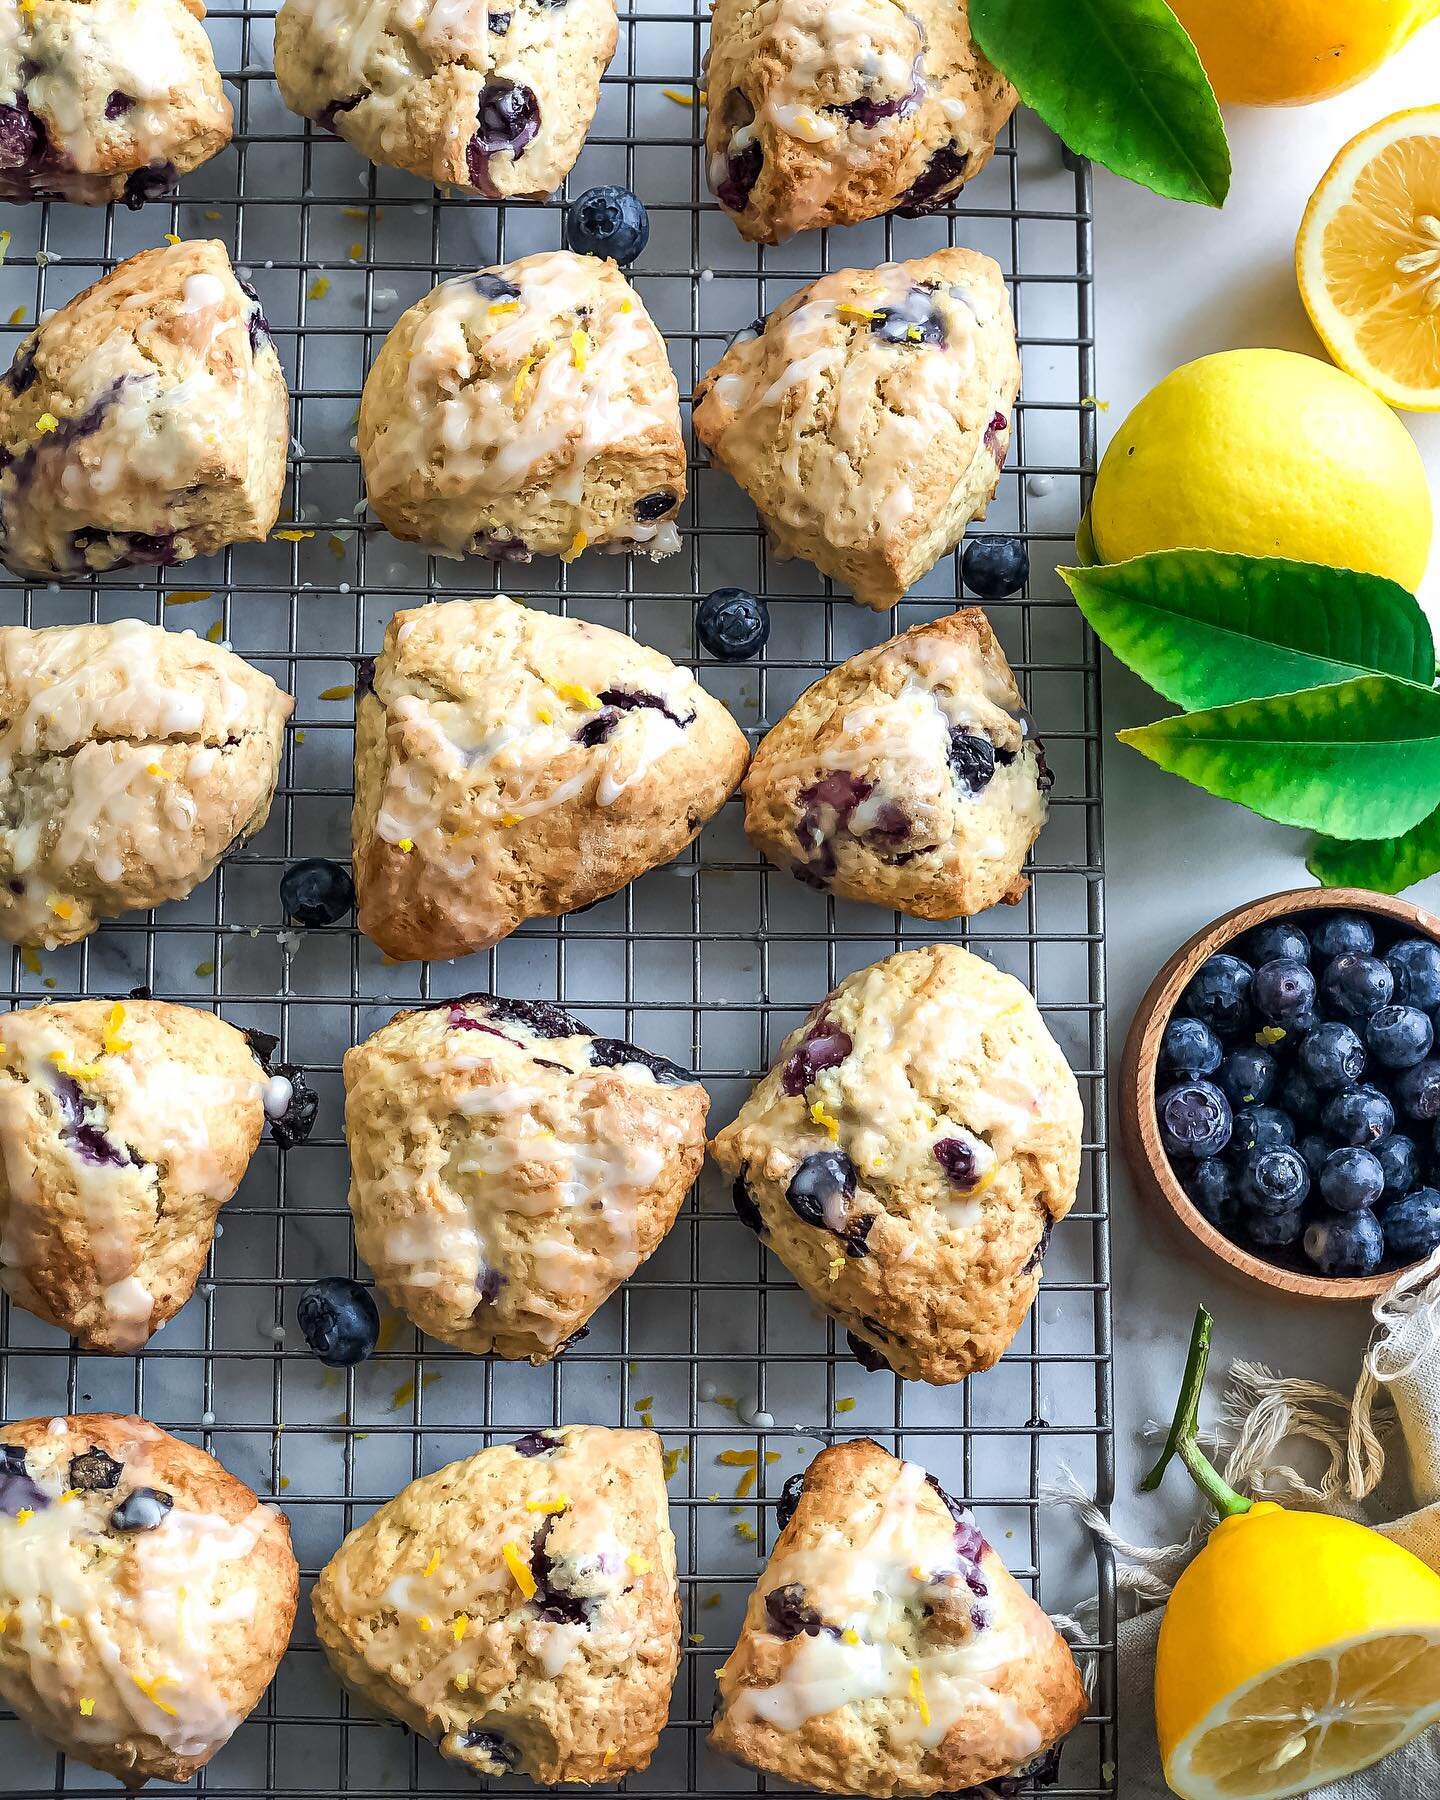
[1316, 1150]
[826, 1179]
[1219, 994]
[340, 1320]
[1415, 964]
[789, 1615]
[1355, 985]
[142, 1509]
[1298, 1097]
[1273, 1181]
[1339, 933]
[1412, 1225]
[607, 221]
[1274, 1231]
[1248, 1075]
[1418, 1090]
[1195, 1119]
[1331, 1056]
[316, 891]
[93, 1471]
[732, 624]
[1282, 940]
[1351, 1179]
[1350, 1243]
[1211, 1188]
[1283, 993]
[972, 762]
[1399, 1160]
[789, 1498]
[1189, 1048]
[1261, 1128]
[1399, 1036]
[995, 567]
[1360, 1116]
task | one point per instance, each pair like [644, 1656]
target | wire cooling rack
[709, 961]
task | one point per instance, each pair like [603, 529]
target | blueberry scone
[907, 1156]
[509, 1169]
[529, 409]
[147, 1595]
[825, 114]
[906, 776]
[868, 418]
[510, 765]
[106, 99]
[131, 760]
[495, 100]
[519, 1609]
[886, 1649]
[146, 421]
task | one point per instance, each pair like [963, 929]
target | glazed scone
[132, 760]
[509, 1169]
[146, 421]
[511, 765]
[148, 1595]
[124, 1127]
[906, 776]
[907, 1156]
[826, 114]
[869, 417]
[492, 100]
[106, 99]
[519, 1609]
[529, 409]
[886, 1649]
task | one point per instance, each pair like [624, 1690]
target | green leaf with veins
[1388, 864]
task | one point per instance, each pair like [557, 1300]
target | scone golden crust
[145, 422]
[886, 1649]
[509, 1169]
[148, 1595]
[510, 764]
[528, 409]
[495, 101]
[825, 114]
[519, 1608]
[124, 1128]
[908, 1155]
[107, 99]
[132, 759]
[869, 418]
[906, 776]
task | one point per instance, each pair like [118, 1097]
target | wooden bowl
[1139, 1126]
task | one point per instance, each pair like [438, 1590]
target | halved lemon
[1368, 259]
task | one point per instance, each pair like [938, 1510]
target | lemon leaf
[1208, 629]
[1360, 759]
[1085, 541]
[1387, 866]
[1120, 82]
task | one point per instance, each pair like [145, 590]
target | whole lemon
[1266, 453]
[1289, 52]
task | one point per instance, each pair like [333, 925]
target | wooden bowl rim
[1139, 1127]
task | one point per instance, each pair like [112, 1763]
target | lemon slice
[1368, 259]
[1313, 1721]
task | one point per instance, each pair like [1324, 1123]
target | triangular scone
[510, 764]
[907, 1156]
[886, 1649]
[147, 1594]
[131, 760]
[509, 1169]
[869, 416]
[124, 1128]
[519, 1609]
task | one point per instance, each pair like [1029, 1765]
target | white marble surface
[1173, 283]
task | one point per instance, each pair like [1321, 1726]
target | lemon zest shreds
[357, 252]
[679, 98]
[645, 1404]
[148, 1687]
[557, 1504]
[459, 1626]
[337, 545]
[739, 1459]
[423, 1622]
[825, 1119]
[291, 534]
[580, 348]
[434, 1562]
[4, 244]
[46, 422]
[501, 307]
[87, 1707]
[30, 959]
[744, 1529]
[519, 1569]
[917, 1693]
[747, 1482]
[318, 288]
[845, 1404]
[836, 1268]
[18, 316]
[462, 1681]
[1270, 1035]
[405, 846]
[710, 1600]
[62, 909]
[342, 692]
[171, 239]
[509, 819]
[215, 632]
[577, 544]
[647, 1419]
[638, 1563]
[849, 1635]
[772, 1456]
[609, 1756]
[672, 1460]
[848, 310]
[697, 1637]
[115, 1045]
[25, 1515]
[188, 596]
[577, 695]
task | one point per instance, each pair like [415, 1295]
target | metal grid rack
[710, 961]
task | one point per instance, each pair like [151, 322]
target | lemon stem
[1183, 1440]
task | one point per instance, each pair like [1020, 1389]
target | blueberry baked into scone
[131, 760]
[869, 416]
[907, 776]
[146, 421]
[106, 99]
[824, 113]
[124, 1127]
[509, 1168]
[148, 1596]
[886, 1649]
[526, 410]
[519, 1608]
[908, 1155]
[511, 765]
[494, 100]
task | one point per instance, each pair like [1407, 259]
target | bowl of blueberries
[1280, 1090]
